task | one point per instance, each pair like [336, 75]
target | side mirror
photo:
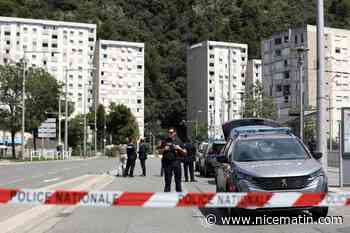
[317, 155]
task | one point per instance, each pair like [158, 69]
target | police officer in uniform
[130, 163]
[171, 161]
[143, 156]
[189, 161]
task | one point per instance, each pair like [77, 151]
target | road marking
[52, 180]
[11, 182]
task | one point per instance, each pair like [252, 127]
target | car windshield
[269, 149]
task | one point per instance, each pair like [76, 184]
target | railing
[50, 154]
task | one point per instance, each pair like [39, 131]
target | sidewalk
[73, 158]
[333, 181]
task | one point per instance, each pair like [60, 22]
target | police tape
[159, 199]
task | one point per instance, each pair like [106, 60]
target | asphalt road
[135, 219]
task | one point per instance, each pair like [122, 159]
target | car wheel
[220, 180]
[319, 212]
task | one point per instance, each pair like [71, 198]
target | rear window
[269, 149]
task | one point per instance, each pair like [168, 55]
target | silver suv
[262, 158]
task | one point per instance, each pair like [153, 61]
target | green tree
[200, 132]
[121, 124]
[258, 105]
[76, 133]
[42, 96]
[11, 99]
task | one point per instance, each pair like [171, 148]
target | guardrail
[50, 154]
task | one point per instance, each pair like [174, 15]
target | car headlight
[315, 175]
[243, 176]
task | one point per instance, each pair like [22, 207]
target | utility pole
[66, 115]
[59, 119]
[321, 92]
[84, 147]
[301, 51]
[23, 104]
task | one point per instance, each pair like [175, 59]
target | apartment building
[120, 76]
[215, 84]
[281, 76]
[253, 76]
[55, 46]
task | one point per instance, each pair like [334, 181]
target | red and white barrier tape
[150, 199]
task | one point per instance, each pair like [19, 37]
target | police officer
[130, 163]
[171, 161]
[188, 161]
[142, 156]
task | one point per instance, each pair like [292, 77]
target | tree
[42, 96]
[76, 132]
[121, 124]
[200, 132]
[257, 104]
[11, 99]
[100, 125]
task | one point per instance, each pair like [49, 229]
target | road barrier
[168, 200]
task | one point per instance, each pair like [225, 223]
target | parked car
[263, 158]
[211, 157]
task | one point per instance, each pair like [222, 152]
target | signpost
[47, 129]
[345, 147]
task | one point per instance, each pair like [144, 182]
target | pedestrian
[188, 161]
[312, 144]
[122, 157]
[172, 151]
[130, 163]
[142, 156]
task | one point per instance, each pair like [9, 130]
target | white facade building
[54, 46]
[254, 75]
[215, 84]
[120, 76]
[281, 76]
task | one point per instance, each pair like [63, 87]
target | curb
[48, 161]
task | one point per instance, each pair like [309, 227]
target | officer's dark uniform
[142, 158]
[189, 160]
[130, 163]
[171, 165]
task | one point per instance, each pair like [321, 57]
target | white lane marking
[52, 180]
[52, 172]
[11, 182]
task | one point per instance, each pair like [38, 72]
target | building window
[211, 73]
[7, 33]
[296, 39]
[278, 52]
[45, 45]
[337, 50]
[211, 64]
[210, 47]
[286, 39]
[211, 98]
[18, 34]
[139, 101]
[54, 36]
[286, 74]
[91, 48]
[8, 42]
[243, 50]
[285, 63]
[45, 62]
[286, 99]
[104, 47]
[243, 58]
[139, 67]
[286, 90]
[211, 89]
[211, 56]
[278, 88]
[102, 73]
[140, 50]
[54, 45]
[104, 55]
[278, 41]
[91, 39]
